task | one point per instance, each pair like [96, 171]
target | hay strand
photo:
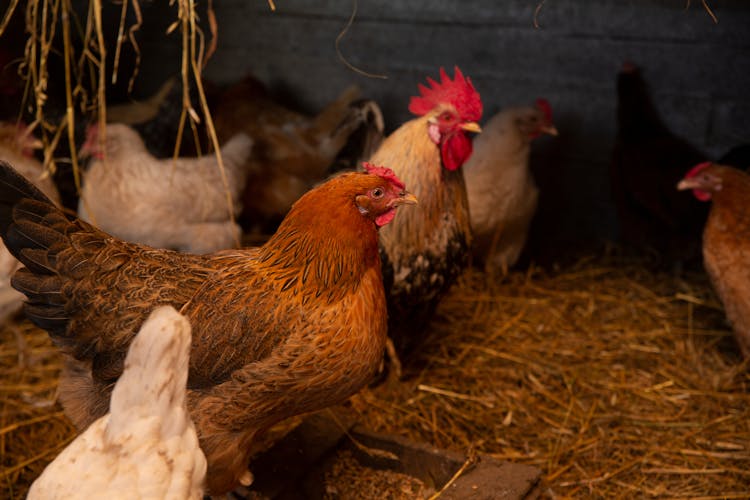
[616, 381]
[340, 55]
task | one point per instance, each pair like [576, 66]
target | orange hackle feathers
[459, 92]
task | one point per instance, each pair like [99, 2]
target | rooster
[181, 205]
[648, 161]
[290, 327]
[292, 152]
[16, 146]
[726, 239]
[501, 189]
[424, 251]
[146, 447]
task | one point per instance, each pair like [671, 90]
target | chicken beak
[472, 127]
[406, 199]
[687, 184]
[35, 144]
[550, 129]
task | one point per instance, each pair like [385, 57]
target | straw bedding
[616, 381]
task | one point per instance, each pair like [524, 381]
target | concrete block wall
[698, 71]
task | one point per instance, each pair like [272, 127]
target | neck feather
[323, 253]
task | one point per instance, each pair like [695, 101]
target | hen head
[453, 108]
[19, 138]
[702, 180]
[384, 193]
[539, 121]
[118, 137]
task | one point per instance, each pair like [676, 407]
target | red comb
[696, 169]
[92, 130]
[384, 172]
[458, 92]
[543, 104]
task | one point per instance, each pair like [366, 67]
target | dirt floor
[614, 380]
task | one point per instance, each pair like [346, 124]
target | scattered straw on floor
[615, 381]
[33, 428]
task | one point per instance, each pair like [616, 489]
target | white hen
[181, 205]
[146, 447]
[16, 146]
[501, 189]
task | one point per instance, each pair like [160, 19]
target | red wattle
[384, 218]
[701, 195]
[455, 150]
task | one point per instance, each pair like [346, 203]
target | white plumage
[181, 205]
[146, 447]
[502, 192]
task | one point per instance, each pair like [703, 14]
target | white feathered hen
[146, 447]
[501, 189]
[16, 146]
[180, 205]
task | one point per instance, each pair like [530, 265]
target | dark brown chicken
[290, 327]
[726, 239]
[648, 161]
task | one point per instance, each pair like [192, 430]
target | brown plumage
[726, 240]
[290, 327]
[292, 151]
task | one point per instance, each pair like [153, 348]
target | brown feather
[726, 249]
[290, 327]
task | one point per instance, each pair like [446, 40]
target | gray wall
[699, 72]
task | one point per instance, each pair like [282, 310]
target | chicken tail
[30, 225]
[330, 119]
[236, 153]
[368, 131]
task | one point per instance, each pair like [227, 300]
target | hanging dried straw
[86, 73]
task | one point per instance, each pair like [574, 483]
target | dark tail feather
[365, 139]
[14, 187]
[30, 224]
[28, 219]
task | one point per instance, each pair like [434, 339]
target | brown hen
[287, 328]
[726, 239]
[292, 151]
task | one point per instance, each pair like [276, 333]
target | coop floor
[615, 381]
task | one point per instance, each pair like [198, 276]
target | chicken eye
[445, 116]
[377, 193]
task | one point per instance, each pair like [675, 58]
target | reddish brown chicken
[292, 151]
[287, 328]
[726, 239]
[424, 251]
